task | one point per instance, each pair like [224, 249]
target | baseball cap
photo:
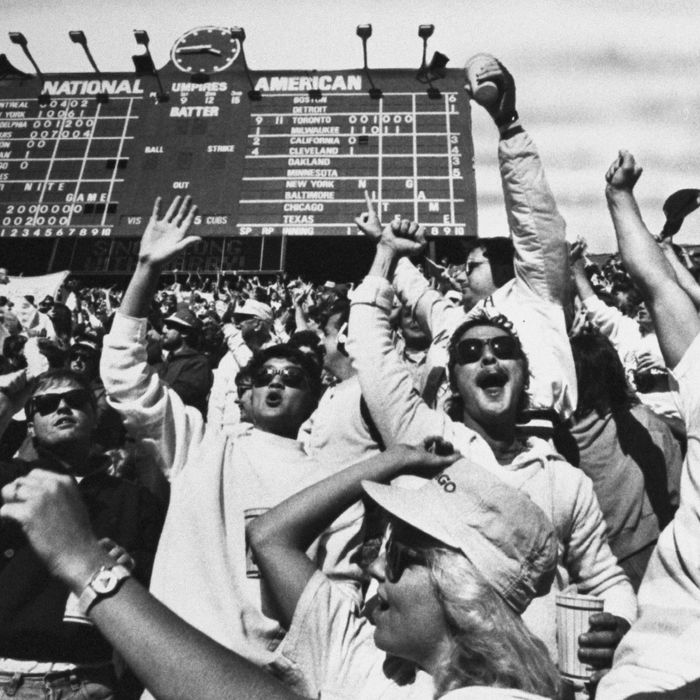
[85, 345]
[503, 533]
[184, 319]
[254, 309]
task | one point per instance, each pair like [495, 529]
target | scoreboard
[85, 155]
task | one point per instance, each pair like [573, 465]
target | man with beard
[186, 370]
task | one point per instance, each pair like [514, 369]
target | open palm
[165, 237]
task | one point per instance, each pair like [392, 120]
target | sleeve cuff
[374, 291]
[593, 303]
[129, 327]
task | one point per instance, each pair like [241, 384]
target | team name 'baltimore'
[301, 83]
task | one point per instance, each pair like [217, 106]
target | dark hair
[243, 377]
[483, 319]
[58, 376]
[55, 351]
[13, 347]
[294, 355]
[62, 319]
[308, 339]
[499, 251]
[337, 306]
[602, 385]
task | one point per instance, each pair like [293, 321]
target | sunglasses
[504, 347]
[48, 403]
[293, 377]
[399, 557]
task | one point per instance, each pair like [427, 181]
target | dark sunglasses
[293, 377]
[48, 403]
[504, 347]
[399, 557]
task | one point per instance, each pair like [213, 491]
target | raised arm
[435, 314]
[281, 536]
[398, 411]
[148, 408]
[675, 318]
[583, 285]
[537, 228]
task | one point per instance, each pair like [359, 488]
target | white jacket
[203, 570]
[563, 492]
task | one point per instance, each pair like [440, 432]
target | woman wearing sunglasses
[488, 374]
[465, 555]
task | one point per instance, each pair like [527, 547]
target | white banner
[38, 286]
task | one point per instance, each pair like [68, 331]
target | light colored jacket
[623, 332]
[222, 409]
[534, 300]
[564, 493]
[203, 569]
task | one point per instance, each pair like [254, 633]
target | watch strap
[90, 595]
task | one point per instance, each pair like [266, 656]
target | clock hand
[200, 48]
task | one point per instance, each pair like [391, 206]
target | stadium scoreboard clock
[205, 50]
[293, 163]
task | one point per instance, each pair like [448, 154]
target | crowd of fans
[369, 490]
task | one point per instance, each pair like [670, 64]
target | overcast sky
[592, 76]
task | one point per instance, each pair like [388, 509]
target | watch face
[105, 581]
[205, 50]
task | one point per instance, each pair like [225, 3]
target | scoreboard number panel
[287, 164]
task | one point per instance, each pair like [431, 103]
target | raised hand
[368, 221]
[166, 237]
[503, 109]
[577, 253]
[428, 459]
[623, 173]
[402, 236]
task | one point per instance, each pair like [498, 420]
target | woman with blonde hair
[465, 555]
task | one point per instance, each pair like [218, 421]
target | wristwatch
[104, 583]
